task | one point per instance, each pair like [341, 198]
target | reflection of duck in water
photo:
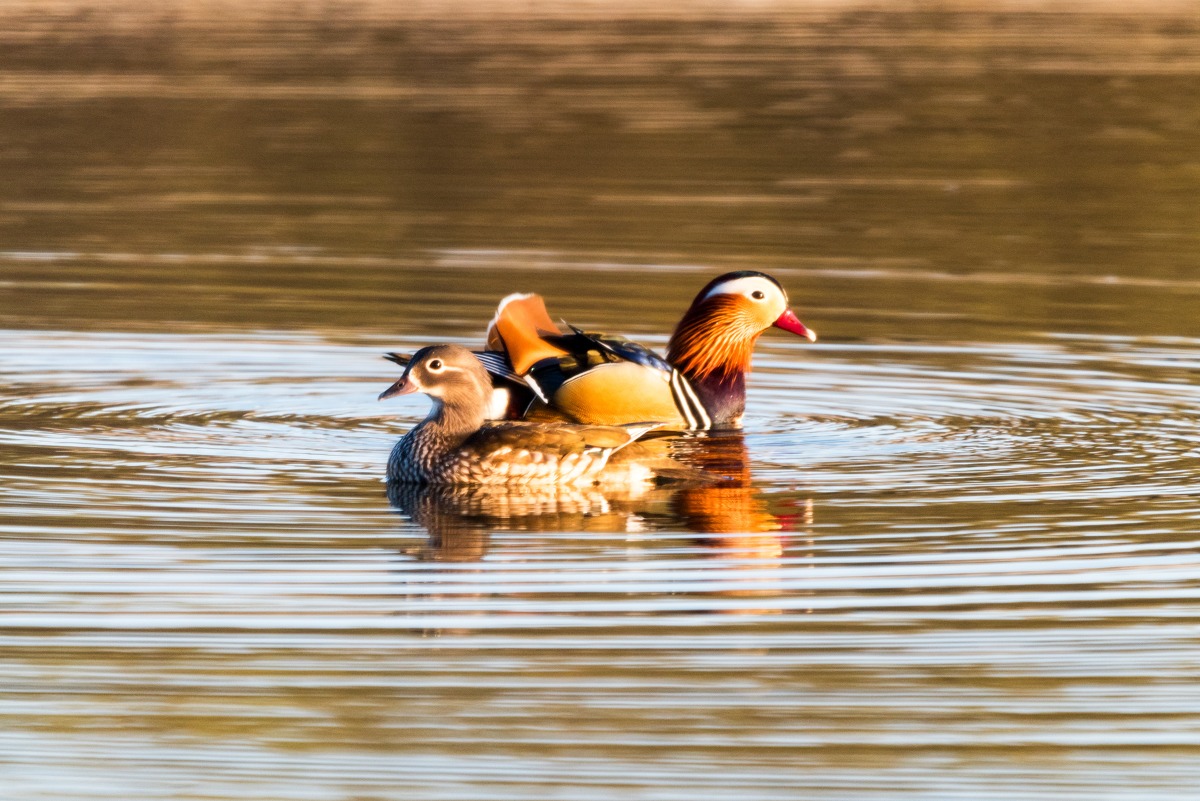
[736, 525]
[460, 518]
[730, 506]
[456, 444]
[605, 380]
[456, 534]
[726, 508]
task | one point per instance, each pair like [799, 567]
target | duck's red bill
[401, 387]
[788, 321]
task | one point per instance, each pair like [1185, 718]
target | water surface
[957, 554]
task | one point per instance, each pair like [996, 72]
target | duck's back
[517, 453]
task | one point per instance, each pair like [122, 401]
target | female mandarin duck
[456, 445]
[605, 380]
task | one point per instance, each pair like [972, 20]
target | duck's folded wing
[550, 439]
[521, 452]
[611, 380]
[597, 347]
[619, 392]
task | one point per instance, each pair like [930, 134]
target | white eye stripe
[747, 286]
[445, 368]
[442, 374]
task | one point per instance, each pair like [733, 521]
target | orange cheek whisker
[714, 339]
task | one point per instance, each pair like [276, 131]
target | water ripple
[1000, 537]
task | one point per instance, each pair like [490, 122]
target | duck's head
[719, 329]
[751, 302]
[450, 374]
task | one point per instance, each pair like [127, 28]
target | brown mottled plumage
[456, 445]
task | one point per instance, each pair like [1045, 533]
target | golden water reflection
[734, 520]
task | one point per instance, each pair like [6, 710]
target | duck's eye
[435, 365]
[758, 294]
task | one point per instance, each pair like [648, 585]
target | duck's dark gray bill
[401, 387]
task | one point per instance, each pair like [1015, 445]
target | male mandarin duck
[605, 380]
[456, 444]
